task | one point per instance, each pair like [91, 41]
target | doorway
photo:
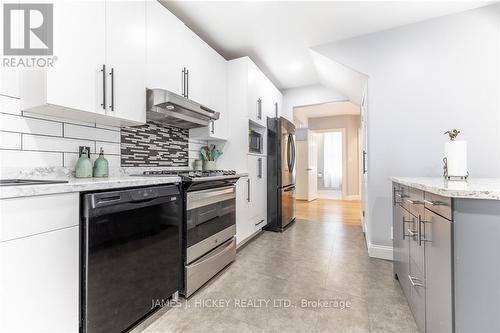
[331, 164]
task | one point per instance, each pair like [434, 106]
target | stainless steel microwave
[255, 142]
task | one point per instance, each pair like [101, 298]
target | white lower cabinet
[243, 230]
[39, 264]
[251, 199]
[39, 282]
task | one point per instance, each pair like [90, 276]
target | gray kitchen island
[446, 241]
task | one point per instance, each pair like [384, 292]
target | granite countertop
[82, 185]
[473, 188]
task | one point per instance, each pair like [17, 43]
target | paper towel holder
[448, 177]
[452, 134]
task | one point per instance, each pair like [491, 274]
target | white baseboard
[380, 251]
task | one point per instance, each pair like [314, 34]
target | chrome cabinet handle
[187, 83]
[412, 233]
[112, 104]
[435, 203]
[399, 194]
[183, 82]
[261, 221]
[260, 168]
[213, 127]
[404, 222]
[421, 238]
[248, 189]
[103, 70]
[259, 108]
[414, 202]
[415, 282]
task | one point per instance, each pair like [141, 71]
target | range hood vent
[171, 109]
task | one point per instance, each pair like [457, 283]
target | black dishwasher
[130, 255]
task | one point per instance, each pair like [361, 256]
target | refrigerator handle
[292, 164]
[288, 153]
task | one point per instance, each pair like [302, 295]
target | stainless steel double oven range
[209, 224]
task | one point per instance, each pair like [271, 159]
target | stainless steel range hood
[171, 109]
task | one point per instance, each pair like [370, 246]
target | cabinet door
[126, 59]
[438, 273]
[252, 175]
[261, 190]
[218, 95]
[39, 282]
[417, 295]
[198, 59]
[165, 48]
[256, 98]
[243, 229]
[208, 85]
[76, 80]
[401, 243]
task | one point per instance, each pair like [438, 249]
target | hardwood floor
[325, 210]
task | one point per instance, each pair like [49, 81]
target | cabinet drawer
[414, 202]
[21, 217]
[417, 295]
[258, 222]
[439, 205]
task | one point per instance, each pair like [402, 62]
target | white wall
[308, 95]
[424, 79]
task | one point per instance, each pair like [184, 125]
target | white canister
[456, 158]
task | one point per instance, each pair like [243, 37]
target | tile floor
[277, 279]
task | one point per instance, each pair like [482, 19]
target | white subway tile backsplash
[9, 140]
[13, 123]
[71, 158]
[91, 133]
[47, 143]
[56, 119]
[108, 147]
[194, 154]
[21, 158]
[10, 105]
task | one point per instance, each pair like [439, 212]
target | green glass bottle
[101, 166]
[83, 168]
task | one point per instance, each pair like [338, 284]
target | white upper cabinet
[180, 61]
[207, 84]
[76, 79]
[99, 74]
[165, 49]
[256, 94]
[126, 59]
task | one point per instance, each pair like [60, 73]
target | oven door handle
[208, 197]
[130, 205]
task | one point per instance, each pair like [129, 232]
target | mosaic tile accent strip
[154, 144]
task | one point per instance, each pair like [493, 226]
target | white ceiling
[278, 34]
[303, 113]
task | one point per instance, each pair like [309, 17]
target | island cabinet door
[438, 272]
[401, 247]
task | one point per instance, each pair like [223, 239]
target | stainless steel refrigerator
[280, 173]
